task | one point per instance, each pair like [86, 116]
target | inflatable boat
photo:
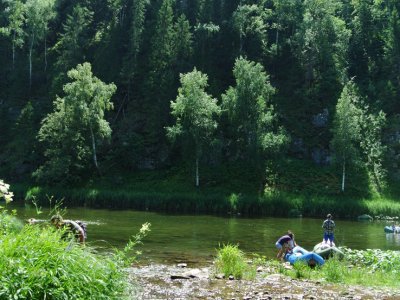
[301, 254]
[389, 229]
[325, 250]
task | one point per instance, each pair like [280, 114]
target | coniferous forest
[301, 96]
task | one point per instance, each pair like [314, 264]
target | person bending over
[285, 244]
[70, 227]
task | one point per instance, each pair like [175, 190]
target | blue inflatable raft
[301, 254]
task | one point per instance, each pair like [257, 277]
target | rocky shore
[175, 282]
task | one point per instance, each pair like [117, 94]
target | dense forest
[278, 89]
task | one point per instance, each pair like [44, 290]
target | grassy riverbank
[371, 268]
[222, 191]
[38, 262]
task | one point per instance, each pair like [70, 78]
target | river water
[195, 238]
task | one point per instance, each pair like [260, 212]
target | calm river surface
[195, 238]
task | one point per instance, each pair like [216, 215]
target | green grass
[231, 261]
[299, 188]
[375, 268]
[36, 263]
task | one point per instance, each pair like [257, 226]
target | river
[195, 238]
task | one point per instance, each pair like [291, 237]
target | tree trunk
[197, 171]
[343, 175]
[94, 150]
[13, 52]
[45, 53]
[30, 60]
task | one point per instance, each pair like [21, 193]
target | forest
[299, 96]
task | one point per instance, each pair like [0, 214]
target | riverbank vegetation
[372, 268]
[37, 263]
[268, 107]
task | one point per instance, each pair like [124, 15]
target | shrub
[36, 264]
[231, 261]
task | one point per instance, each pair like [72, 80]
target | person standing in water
[329, 228]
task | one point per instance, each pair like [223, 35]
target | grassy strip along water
[215, 201]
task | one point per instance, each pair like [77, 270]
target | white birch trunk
[343, 175]
[45, 53]
[30, 60]
[94, 149]
[197, 171]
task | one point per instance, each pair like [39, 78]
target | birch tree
[15, 14]
[71, 131]
[250, 112]
[346, 128]
[194, 111]
[38, 15]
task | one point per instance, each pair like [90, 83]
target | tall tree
[374, 150]
[38, 15]
[391, 65]
[15, 14]
[250, 22]
[73, 44]
[135, 40]
[77, 122]
[162, 78]
[250, 112]
[346, 128]
[195, 112]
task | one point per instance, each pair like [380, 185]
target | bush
[231, 261]
[36, 264]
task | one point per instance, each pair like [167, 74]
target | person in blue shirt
[329, 228]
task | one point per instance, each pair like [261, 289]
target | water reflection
[393, 239]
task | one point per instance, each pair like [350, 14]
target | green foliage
[71, 131]
[302, 270]
[231, 261]
[195, 112]
[374, 259]
[352, 270]
[34, 264]
[335, 271]
[374, 149]
[249, 110]
[15, 14]
[310, 48]
[346, 128]
[73, 43]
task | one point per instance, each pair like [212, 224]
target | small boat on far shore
[326, 250]
[390, 229]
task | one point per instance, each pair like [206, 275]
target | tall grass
[217, 202]
[36, 264]
[231, 261]
[361, 267]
